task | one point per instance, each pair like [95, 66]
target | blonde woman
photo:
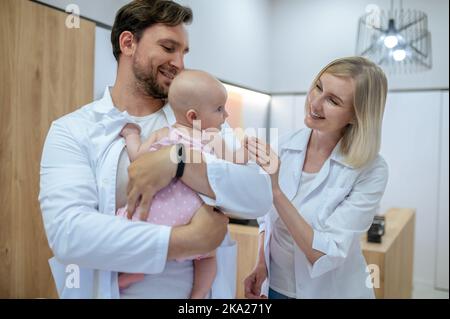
[327, 185]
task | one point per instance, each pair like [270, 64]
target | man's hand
[148, 174]
[203, 234]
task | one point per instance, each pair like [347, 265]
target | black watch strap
[181, 160]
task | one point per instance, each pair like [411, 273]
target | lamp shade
[397, 40]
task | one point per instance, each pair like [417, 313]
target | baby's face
[212, 112]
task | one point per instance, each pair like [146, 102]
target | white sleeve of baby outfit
[242, 190]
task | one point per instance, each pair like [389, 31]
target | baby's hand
[130, 129]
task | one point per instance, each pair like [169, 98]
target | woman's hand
[254, 281]
[265, 157]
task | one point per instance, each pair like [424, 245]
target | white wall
[229, 38]
[105, 63]
[442, 261]
[410, 146]
[287, 113]
[307, 34]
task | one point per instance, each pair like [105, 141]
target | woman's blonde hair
[362, 140]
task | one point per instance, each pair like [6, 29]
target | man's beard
[147, 82]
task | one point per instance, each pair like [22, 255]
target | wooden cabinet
[46, 71]
[393, 256]
[247, 246]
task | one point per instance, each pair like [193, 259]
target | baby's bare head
[197, 95]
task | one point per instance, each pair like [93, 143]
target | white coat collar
[106, 106]
[299, 142]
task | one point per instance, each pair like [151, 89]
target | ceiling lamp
[397, 40]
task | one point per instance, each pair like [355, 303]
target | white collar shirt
[339, 205]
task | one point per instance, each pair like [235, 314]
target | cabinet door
[442, 265]
[46, 71]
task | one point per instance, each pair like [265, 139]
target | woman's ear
[191, 116]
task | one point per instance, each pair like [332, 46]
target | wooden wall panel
[46, 71]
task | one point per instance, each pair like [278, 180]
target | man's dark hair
[138, 15]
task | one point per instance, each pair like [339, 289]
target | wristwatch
[181, 158]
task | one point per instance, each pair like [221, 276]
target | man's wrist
[181, 243]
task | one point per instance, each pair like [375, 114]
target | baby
[198, 101]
